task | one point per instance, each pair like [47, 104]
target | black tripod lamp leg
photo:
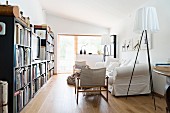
[134, 65]
[150, 70]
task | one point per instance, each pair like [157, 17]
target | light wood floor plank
[58, 97]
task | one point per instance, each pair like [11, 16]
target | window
[92, 44]
[70, 45]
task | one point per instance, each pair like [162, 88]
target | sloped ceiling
[98, 12]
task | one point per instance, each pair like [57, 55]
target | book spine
[1, 98]
[4, 97]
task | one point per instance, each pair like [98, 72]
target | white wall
[160, 40]
[65, 26]
[30, 8]
[90, 59]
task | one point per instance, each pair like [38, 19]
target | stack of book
[162, 67]
[19, 78]
[35, 71]
[42, 68]
[22, 35]
[3, 97]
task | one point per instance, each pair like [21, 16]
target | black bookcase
[10, 47]
[24, 76]
[47, 46]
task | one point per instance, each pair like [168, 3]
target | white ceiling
[98, 12]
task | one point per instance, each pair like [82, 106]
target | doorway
[65, 54]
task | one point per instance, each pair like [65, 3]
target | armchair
[79, 65]
[92, 78]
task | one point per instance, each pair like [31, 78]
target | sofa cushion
[140, 69]
[132, 62]
[110, 59]
[100, 65]
[110, 80]
[112, 66]
[125, 63]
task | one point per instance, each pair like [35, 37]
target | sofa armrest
[100, 65]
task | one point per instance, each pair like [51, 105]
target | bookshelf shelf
[26, 85]
[18, 20]
[48, 42]
[50, 68]
[38, 77]
[50, 52]
[24, 46]
[42, 74]
[23, 66]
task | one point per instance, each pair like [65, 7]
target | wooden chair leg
[107, 94]
[77, 95]
[167, 110]
[100, 90]
[75, 88]
[107, 88]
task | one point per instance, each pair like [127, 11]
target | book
[20, 78]
[16, 56]
[17, 33]
[20, 102]
[42, 53]
[26, 94]
[3, 97]
[27, 58]
[33, 89]
[27, 37]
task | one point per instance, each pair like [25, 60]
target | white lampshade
[106, 40]
[146, 19]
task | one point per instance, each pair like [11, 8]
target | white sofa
[119, 73]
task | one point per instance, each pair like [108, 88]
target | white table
[167, 87]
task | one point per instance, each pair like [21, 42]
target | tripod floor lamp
[146, 21]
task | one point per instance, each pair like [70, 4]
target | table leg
[167, 97]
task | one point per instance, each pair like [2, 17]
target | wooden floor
[58, 97]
